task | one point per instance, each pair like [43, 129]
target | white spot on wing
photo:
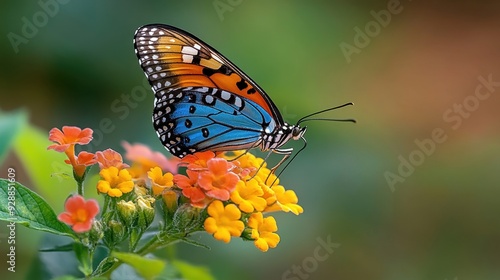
[237, 102]
[187, 58]
[209, 99]
[189, 50]
[225, 95]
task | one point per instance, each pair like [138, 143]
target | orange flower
[66, 141]
[218, 181]
[69, 136]
[108, 158]
[81, 162]
[197, 161]
[79, 213]
[190, 188]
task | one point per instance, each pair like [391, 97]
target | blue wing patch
[200, 119]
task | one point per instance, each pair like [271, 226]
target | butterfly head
[298, 132]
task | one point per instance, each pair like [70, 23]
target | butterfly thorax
[281, 135]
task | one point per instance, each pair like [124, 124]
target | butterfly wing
[202, 100]
[173, 58]
[190, 120]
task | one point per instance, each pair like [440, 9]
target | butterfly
[203, 102]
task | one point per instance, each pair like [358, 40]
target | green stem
[148, 247]
[80, 187]
[106, 202]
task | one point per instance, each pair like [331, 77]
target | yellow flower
[268, 193]
[263, 231]
[286, 201]
[223, 222]
[159, 180]
[115, 182]
[248, 196]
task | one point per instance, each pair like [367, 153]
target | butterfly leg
[286, 154]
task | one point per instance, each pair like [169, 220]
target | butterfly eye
[298, 132]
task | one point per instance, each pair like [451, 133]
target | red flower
[218, 181]
[79, 213]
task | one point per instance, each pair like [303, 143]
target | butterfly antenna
[306, 117]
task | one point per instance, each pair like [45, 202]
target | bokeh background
[408, 76]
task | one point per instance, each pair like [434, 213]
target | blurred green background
[395, 209]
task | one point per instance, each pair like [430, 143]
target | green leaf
[146, 267]
[10, 125]
[21, 205]
[105, 265]
[61, 248]
[192, 272]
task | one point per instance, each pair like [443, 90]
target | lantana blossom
[224, 221]
[79, 213]
[68, 137]
[65, 142]
[115, 182]
[263, 231]
[286, 200]
[218, 181]
[197, 161]
[248, 196]
[81, 162]
[191, 190]
[160, 181]
[110, 157]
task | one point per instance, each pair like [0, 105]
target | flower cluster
[236, 190]
[226, 194]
